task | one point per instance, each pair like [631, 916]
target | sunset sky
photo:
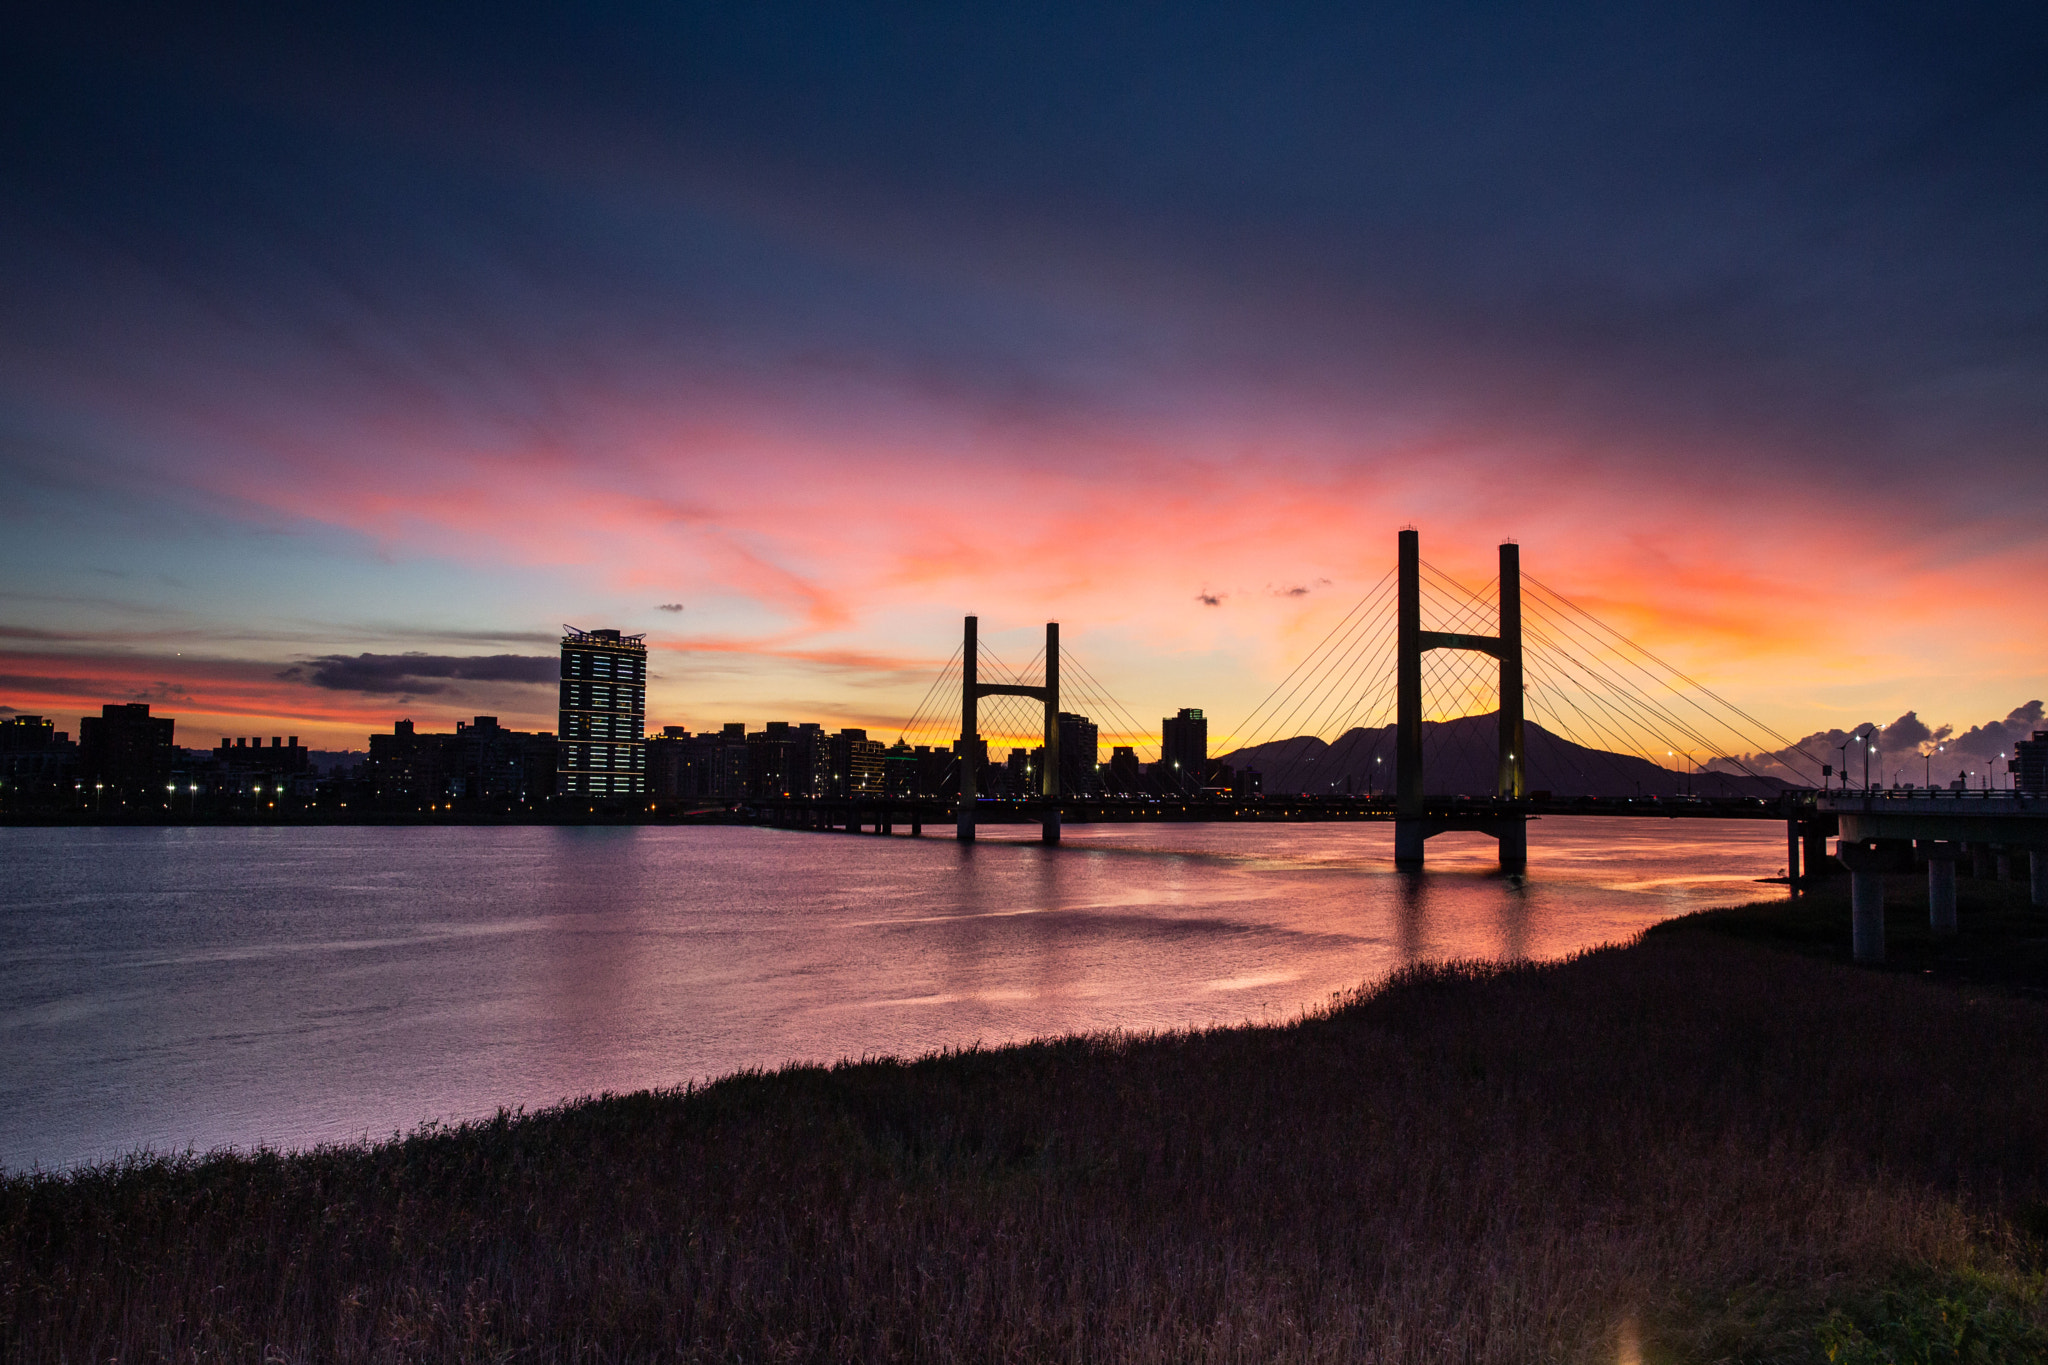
[788, 334]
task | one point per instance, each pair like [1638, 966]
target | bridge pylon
[1412, 821]
[973, 749]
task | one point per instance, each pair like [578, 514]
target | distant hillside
[1459, 758]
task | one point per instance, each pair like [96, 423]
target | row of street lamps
[1867, 741]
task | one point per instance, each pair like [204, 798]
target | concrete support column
[1049, 830]
[1813, 835]
[1514, 844]
[1980, 861]
[1408, 828]
[970, 729]
[1941, 887]
[916, 823]
[2037, 860]
[1866, 863]
[2002, 861]
[1510, 783]
[1792, 856]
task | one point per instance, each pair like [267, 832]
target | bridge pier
[1941, 886]
[1867, 862]
[970, 731]
[1986, 830]
[1814, 835]
[972, 747]
[1514, 844]
[1049, 828]
[1412, 827]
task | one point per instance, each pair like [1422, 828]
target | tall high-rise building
[1184, 750]
[603, 715]
[1078, 745]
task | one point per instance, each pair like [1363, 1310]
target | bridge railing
[1931, 799]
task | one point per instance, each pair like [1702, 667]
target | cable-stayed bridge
[1429, 703]
[1432, 704]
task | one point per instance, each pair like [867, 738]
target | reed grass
[1698, 1147]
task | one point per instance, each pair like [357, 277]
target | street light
[1843, 749]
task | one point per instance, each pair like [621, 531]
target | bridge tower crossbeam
[974, 749]
[1412, 822]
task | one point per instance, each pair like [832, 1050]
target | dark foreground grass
[1698, 1147]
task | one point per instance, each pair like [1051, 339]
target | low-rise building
[854, 765]
[38, 763]
[126, 750]
[482, 761]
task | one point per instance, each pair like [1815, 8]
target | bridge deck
[1447, 811]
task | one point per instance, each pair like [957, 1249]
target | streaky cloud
[421, 674]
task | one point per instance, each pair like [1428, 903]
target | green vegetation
[1702, 1147]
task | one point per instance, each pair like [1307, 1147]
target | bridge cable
[1332, 681]
[931, 691]
[1371, 594]
[1683, 677]
[1304, 682]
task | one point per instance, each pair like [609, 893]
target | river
[175, 988]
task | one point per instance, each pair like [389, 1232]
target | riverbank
[1719, 1142]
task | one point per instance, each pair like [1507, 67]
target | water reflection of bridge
[883, 814]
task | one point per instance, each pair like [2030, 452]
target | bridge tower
[972, 746]
[1412, 822]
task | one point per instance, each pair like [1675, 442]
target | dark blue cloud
[1792, 236]
[416, 674]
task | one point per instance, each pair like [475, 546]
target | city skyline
[344, 359]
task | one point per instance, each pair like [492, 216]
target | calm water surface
[174, 988]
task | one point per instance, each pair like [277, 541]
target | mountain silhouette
[1459, 758]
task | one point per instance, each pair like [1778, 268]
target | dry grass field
[1719, 1143]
